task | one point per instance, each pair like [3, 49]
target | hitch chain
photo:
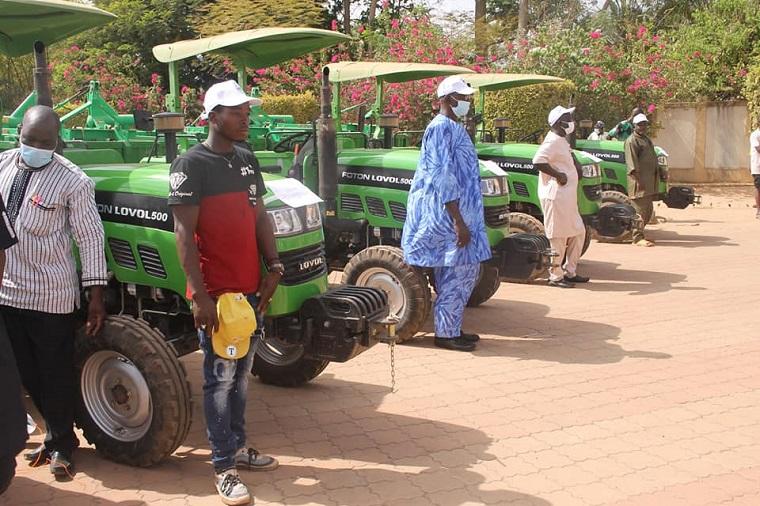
[393, 366]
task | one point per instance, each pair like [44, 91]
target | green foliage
[715, 50]
[221, 16]
[527, 107]
[15, 81]
[751, 92]
[304, 107]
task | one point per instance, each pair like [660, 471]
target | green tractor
[366, 206]
[517, 159]
[135, 403]
[615, 180]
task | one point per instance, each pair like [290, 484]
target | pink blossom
[121, 105]
[261, 72]
[596, 34]
[154, 78]
[360, 29]
[334, 58]
[642, 31]
[651, 108]
[74, 47]
[585, 51]
[697, 54]
[334, 25]
[395, 24]
[594, 84]
[655, 38]
[386, 3]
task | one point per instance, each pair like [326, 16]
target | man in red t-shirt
[222, 231]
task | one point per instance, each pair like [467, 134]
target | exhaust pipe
[169, 124]
[327, 148]
[42, 75]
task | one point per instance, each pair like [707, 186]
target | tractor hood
[147, 180]
[48, 21]
[610, 151]
[518, 157]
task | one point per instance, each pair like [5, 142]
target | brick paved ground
[642, 388]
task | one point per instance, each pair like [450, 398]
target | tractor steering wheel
[285, 143]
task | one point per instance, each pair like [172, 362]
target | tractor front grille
[376, 207]
[151, 261]
[496, 216]
[398, 211]
[521, 189]
[122, 253]
[351, 203]
[303, 265]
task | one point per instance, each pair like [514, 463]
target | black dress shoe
[577, 279]
[61, 465]
[454, 343]
[38, 457]
[470, 338]
[561, 284]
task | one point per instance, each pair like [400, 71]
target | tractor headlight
[591, 170]
[285, 221]
[493, 186]
[313, 217]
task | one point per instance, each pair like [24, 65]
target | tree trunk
[480, 25]
[372, 10]
[347, 17]
[522, 17]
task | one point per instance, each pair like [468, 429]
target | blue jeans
[454, 286]
[225, 387]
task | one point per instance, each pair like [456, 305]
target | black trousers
[43, 344]
[12, 413]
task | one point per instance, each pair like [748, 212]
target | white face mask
[35, 157]
[462, 108]
[570, 128]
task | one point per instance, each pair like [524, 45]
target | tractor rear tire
[612, 197]
[134, 401]
[292, 375]
[525, 224]
[486, 286]
[407, 288]
[587, 240]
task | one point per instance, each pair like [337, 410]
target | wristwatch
[276, 266]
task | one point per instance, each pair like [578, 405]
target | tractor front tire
[522, 223]
[134, 401]
[291, 375]
[609, 198]
[486, 286]
[407, 288]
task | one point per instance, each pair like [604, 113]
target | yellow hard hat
[237, 322]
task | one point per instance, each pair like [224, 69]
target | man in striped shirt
[49, 201]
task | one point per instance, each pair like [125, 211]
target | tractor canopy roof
[49, 21]
[259, 48]
[496, 81]
[390, 72]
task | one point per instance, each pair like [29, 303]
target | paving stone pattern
[642, 388]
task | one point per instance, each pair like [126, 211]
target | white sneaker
[231, 489]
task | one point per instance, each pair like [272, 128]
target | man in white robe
[558, 193]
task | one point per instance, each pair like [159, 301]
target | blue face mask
[36, 157]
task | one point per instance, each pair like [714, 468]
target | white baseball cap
[228, 94]
[557, 113]
[454, 84]
[640, 118]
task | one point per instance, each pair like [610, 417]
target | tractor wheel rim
[386, 281]
[275, 351]
[116, 396]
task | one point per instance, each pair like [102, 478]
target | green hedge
[304, 108]
[526, 107]
[752, 93]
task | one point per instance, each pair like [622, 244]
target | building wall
[707, 142]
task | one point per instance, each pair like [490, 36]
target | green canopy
[259, 48]
[491, 82]
[390, 72]
[22, 22]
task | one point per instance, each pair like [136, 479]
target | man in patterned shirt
[49, 202]
[445, 227]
